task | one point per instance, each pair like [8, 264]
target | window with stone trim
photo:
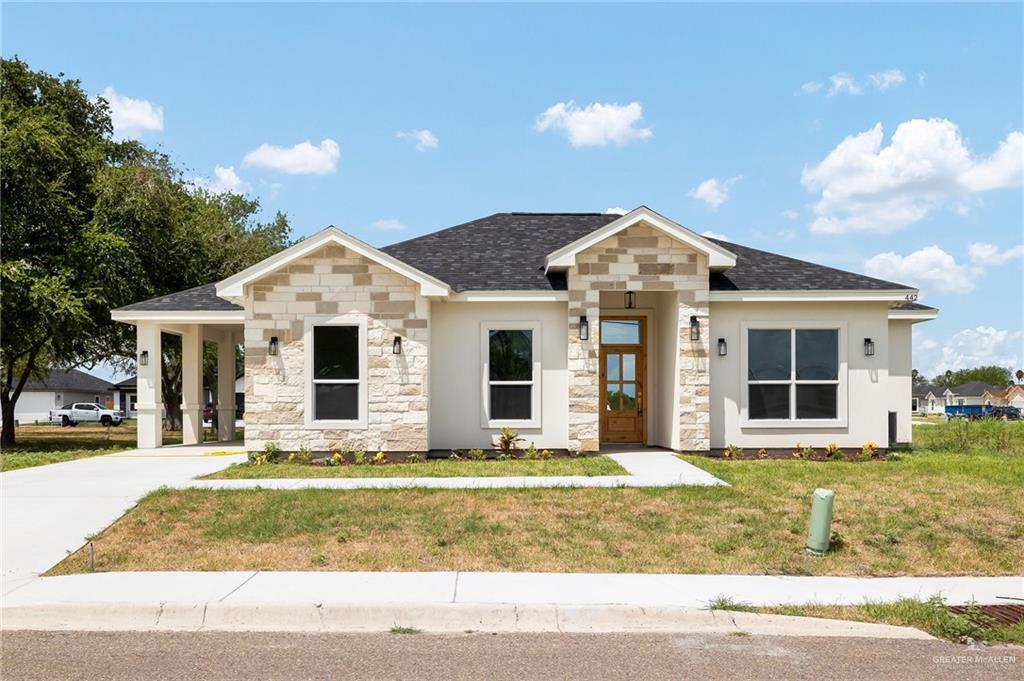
[793, 374]
[511, 374]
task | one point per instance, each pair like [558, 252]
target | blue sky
[728, 119]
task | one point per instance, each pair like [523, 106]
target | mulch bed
[1003, 615]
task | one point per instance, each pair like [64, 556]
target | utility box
[821, 522]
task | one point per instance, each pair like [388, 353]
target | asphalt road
[141, 656]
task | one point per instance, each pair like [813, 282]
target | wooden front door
[622, 379]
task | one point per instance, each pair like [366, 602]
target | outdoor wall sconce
[144, 358]
[584, 328]
[723, 349]
[396, 346]
[869, 347]
[272, 347]
[630, 300]
[694, 328]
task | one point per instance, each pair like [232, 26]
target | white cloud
[301, 159]
[786, 234]
[616, 210]
[844, 82]
[714, 235]
[973, 347]
[224, 179]
[388, 224]
[888, 79]
[929, 268]
[424, 139]
[790, 214]
[810, 87]
[865, 186]
[989, 254]
[714, 192]
[596, 124]
[132, 117]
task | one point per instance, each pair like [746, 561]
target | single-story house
[930, 399]
[126, 395]
[1011, 396]
[57, 388]
[574, 329]
[977, 392]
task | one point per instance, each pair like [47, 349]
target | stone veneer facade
[639, 258]
[335, 281]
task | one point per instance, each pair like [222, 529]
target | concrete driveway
[49, 511]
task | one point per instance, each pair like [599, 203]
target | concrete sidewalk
[646, 468]
[456, 601]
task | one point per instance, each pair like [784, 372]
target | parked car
[79, 412]
[1005, 413]
[981, 411]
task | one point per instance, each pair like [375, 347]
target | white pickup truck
[73, 414]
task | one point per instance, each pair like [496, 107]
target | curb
[443, 618]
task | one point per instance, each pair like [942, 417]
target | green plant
[833, 452]
[404, 630]
[807, 453]
[836, 542]
[379, 459]
[531, 452]
[304, 455]
[728, 603]
[798, 451]
[414, 457]
[477, 454]
[271, 452]
[762, 453]
[508, 442]
[360, 457]
[337, 459]
[732, 452]
[545, 454]
[868, 450]
[893, 455]
[456, 455]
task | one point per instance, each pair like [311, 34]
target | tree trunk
[9, 397]
[7, 438]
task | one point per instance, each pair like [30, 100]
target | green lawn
[929, 513]
[432, 468]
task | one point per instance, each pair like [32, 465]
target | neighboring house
[1012, 396]
[126, 395]
[60, 387]
[573, 329]
[930, 399]
[977, 392]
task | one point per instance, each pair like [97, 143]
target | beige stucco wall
[900, 380]
[456, 365]
[329, 282]
[867, 386]
[639, 258]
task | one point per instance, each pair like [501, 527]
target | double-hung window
[511, 374]
[794, 375]
[336, 367]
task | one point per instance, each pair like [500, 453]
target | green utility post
[821, 522]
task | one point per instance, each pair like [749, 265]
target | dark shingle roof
[501, 252]
[200, 298]
[927, 388]
[68, 379]
[758, 270]
[130, 382]
[910, 306]
[975, 388]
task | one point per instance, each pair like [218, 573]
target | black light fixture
[396, 346]
[869, 347]
[584, 328]
[272, 346]
[144, 358]
[694, 328]
[630, 300]
[723, 349]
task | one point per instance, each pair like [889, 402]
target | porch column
[226, 387]
[149, 404]
[192, 385]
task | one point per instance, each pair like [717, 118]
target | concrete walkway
[456, 601]
[646, 468]
[49, 511]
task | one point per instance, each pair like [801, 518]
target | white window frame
[535, 420]
[916, 404]
[335, 424]
[841, 382]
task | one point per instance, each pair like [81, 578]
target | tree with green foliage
[916, 378]
[993, 375]
[90, 224]
[1020, 375]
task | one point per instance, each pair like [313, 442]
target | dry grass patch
[926, 514]
[432, 468]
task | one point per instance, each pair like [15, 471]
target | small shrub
[360, 457]
[836, 542]
[893, 455]
[732, 452]
[508, 442]
[833, 452]
[337, 459]
[414, 457]
[531, 452]
[798, 451]
[545, 454]
[303, 455]
[271, 452]
[807, 453]
[379, 459]
[868, 450]
[477, 454]
[762, 453]
[456, 455]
